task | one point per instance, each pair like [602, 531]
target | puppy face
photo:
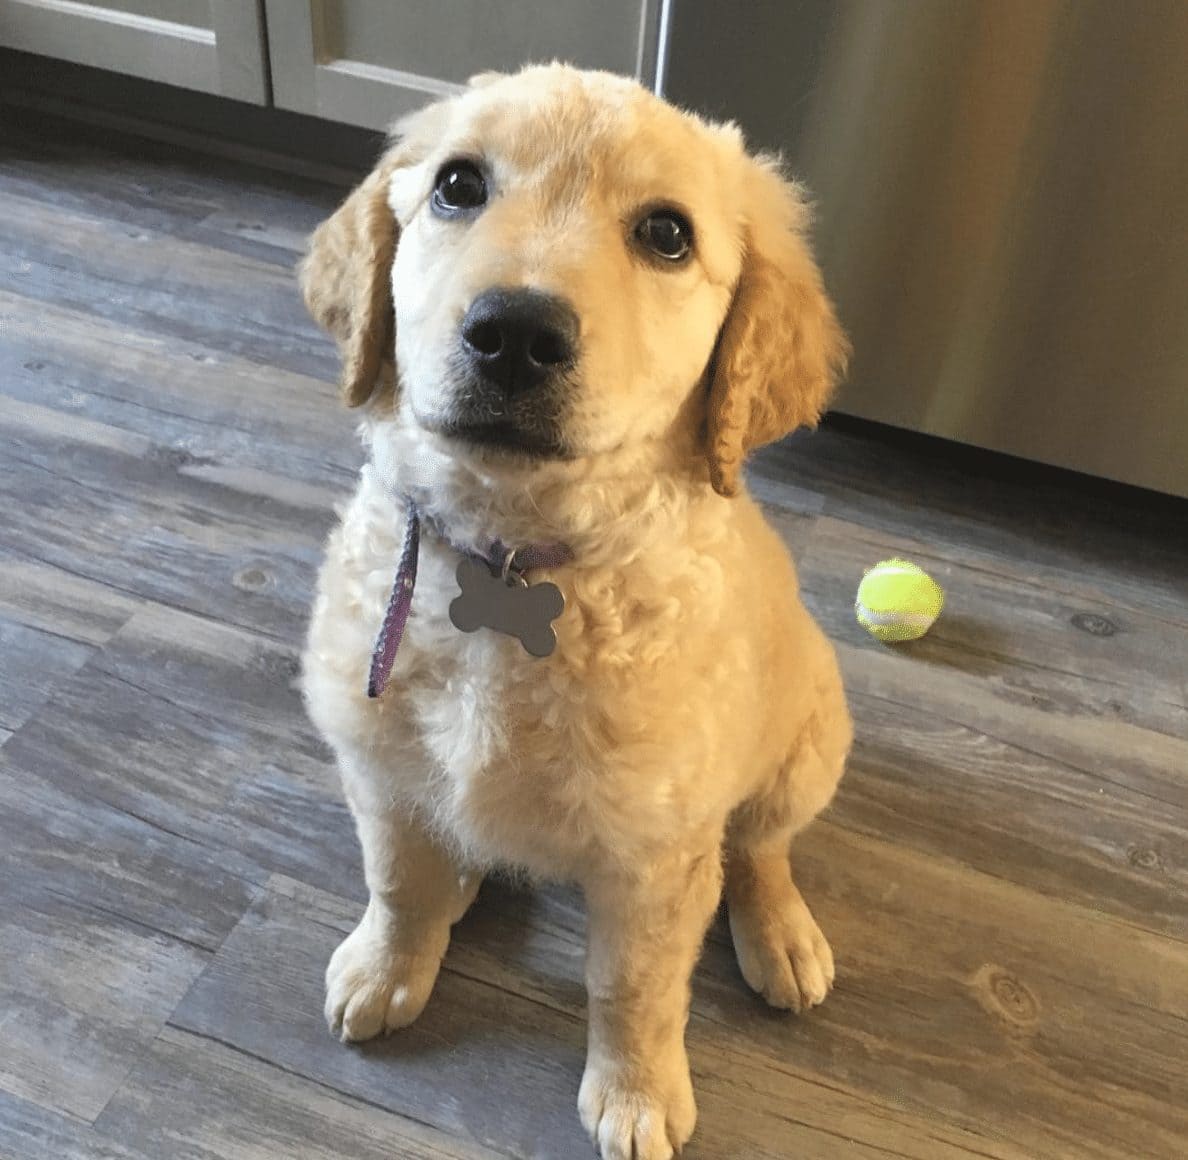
[593, 242]
[560, 267]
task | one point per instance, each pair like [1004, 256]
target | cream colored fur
[692, 718]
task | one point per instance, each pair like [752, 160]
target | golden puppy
[568, 310]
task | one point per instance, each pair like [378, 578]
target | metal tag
[509, 605]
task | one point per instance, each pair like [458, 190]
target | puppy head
[558, 268]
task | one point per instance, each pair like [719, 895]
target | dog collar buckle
[494, 593]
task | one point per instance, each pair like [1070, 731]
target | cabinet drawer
[215, 46]
[366, 62]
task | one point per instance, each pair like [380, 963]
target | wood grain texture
[189, 397]
[505, 1020]
[34, 659]
[60, 603]
[28, 1130]
[75, 848]
[1002, 875]
[83, 994]
[137, 270]
[1122, 546]
[1013, 739]
[255, 553]
[150, 718]
[489, 1068]
[999, 968]
[197, 1097]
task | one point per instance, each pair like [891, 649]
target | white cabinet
[215, 46]
[362, 62]
[367, 61]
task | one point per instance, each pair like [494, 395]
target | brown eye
[667, 234]
[460, 188]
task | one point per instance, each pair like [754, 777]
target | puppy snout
[518, 339]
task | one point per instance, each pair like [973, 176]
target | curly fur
[691, 719]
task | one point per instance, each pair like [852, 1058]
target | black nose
[518, 339]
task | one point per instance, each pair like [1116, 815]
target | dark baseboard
[267, 136]
[1000, 466]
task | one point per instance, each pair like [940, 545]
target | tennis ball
[898, 600]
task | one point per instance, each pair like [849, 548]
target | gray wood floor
[1002, 876]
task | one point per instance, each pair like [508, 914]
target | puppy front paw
[374, 986]
[632, 1118]
[783, 955]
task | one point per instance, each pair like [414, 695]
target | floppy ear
[346, 282]
[781, 350]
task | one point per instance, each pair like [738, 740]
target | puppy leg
[380, 977]
[781, 951]
[636, 1098]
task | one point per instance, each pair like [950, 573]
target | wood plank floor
[1003, 875]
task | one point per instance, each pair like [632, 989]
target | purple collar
[495, 554]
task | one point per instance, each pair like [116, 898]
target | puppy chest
[501, 790]
[534, 780]
[545, 762]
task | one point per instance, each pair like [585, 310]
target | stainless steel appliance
[1003, 206]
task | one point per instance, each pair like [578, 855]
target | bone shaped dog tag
[512, 606]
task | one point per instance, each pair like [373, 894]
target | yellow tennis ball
[898, 600]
